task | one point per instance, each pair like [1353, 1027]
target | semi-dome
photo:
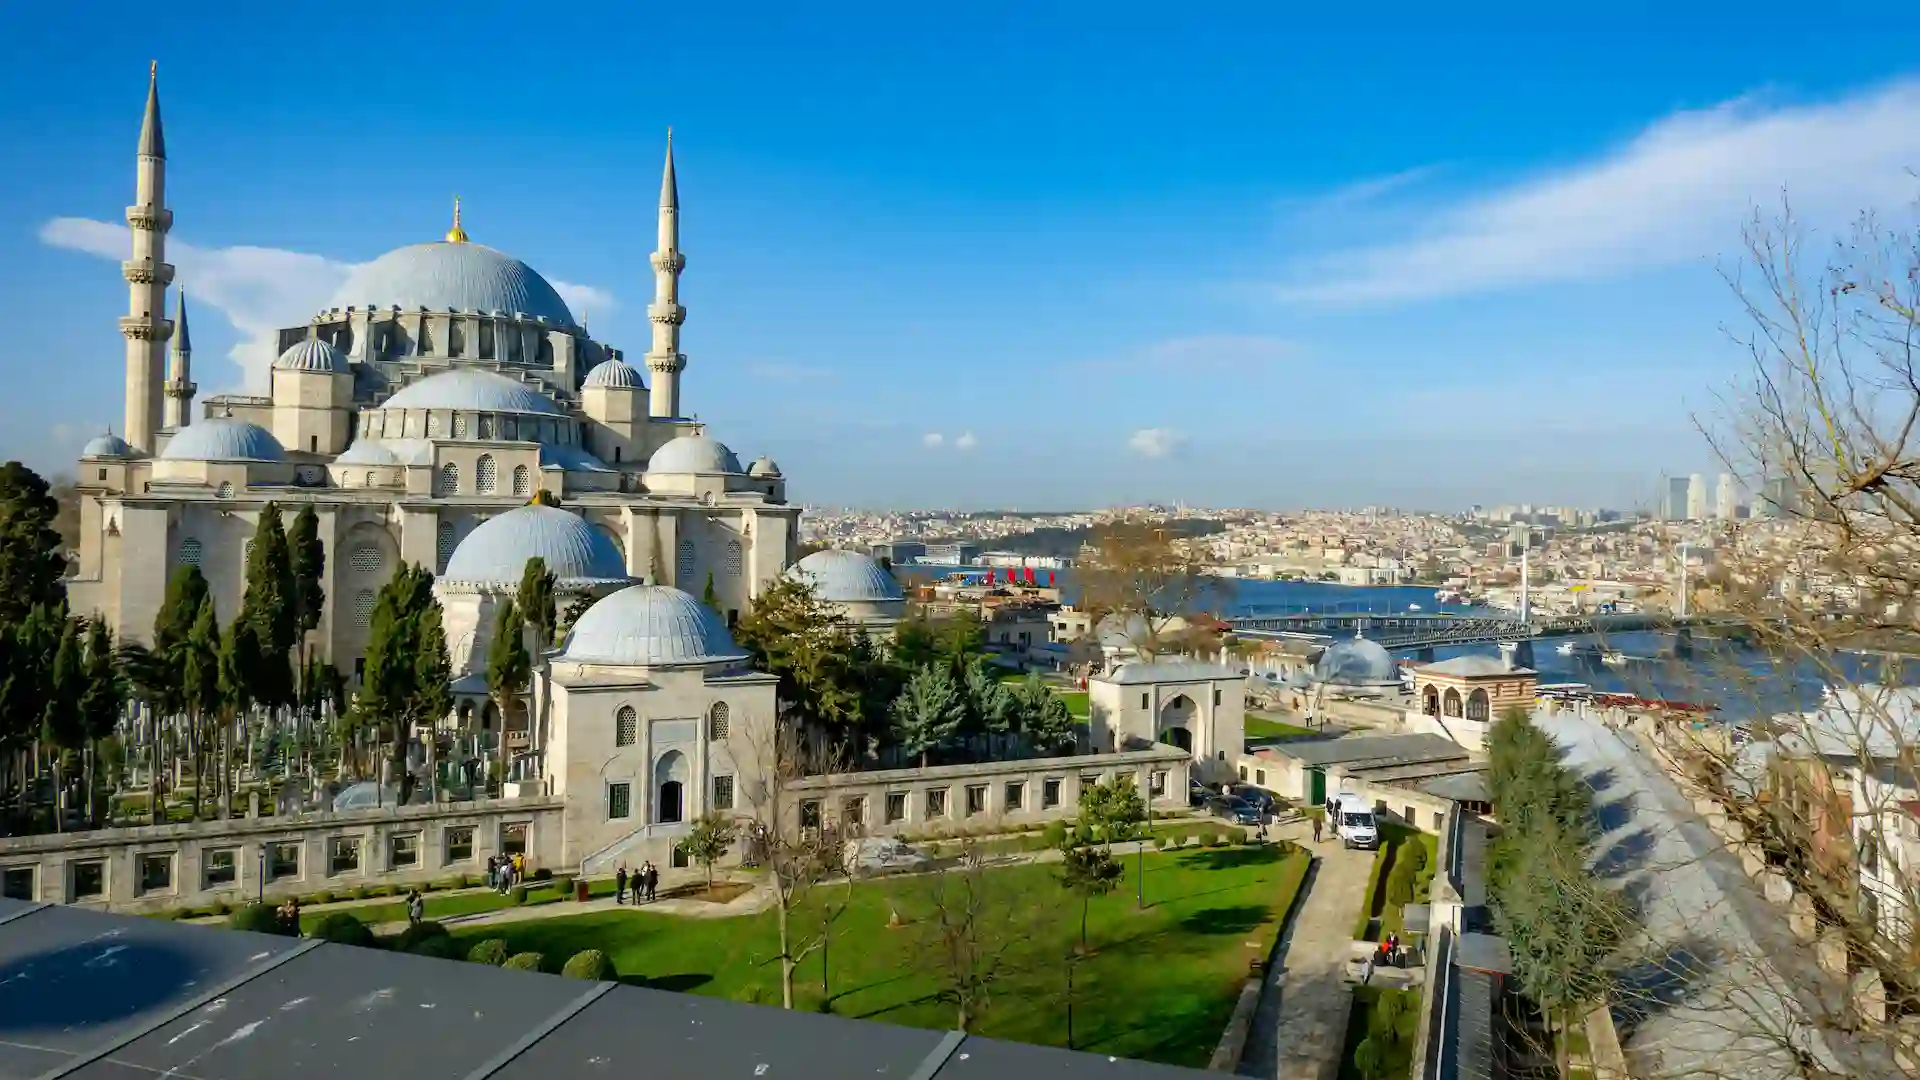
[473, 390]
[764, 467]
[452, 277]
[614, 375]
[569, 458]
[846, 577]
[107, 446]
[1356, 662]
[312, 354]
[650, 626]
[223, 438]
[693, 454]
[576, 553]
[367, 452]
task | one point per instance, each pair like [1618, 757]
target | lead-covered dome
[473, 390]
[693, 454]
[222, 438]
[614, 375]
[764, 468]
[312, 354]
[367, 452]
[452, 277]
[496, 553]
[108, 446]
[846, 577]
[650, 626]
[1356, 662]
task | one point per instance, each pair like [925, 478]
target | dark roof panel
[993, 1059]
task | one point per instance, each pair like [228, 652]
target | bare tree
[1149, 580]
[792, 842]
[972, 923]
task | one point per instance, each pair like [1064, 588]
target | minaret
[148, 275]
[180, 386]
[664, 360]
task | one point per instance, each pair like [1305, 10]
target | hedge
[410, 939]
[343, 929]
[261, 919]
[526, 961]
[492, 952]
[589, 964]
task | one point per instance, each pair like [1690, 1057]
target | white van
[1352, 820]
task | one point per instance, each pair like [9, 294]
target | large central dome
[452, 277]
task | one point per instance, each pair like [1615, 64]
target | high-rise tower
[664, 359]
[148, 274]
[180, 388]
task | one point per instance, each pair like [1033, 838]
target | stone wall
[153, 867]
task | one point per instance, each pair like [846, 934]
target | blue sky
[1276, 256]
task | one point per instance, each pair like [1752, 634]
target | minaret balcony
[666, 364]
[147, 272]
[669, 261]
[146, 328]
[153, 218]
[181, 388]
[671, 314]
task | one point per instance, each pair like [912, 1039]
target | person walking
[620, 885]
[1317, 819]
[653, 881]
[493, 872]
[416, 908]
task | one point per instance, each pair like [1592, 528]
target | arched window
[733, 558]
[343, 338]
[456, 338]
[486, 425]
[512, 334]
[224, 491]
[444, 546]
[449, 479]
[1430, 702]
[510, 428]
[626, 726]
[485, 475]
[670, 779]
[718, 719]
[363, 602]
[1451, 703]
[426, 338]
[371, 479]
[683, 565]
[1477, 706]
[522, 481]
[459, 425]
[486, 339]
[544, 357]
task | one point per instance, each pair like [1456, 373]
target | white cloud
[1361, 192]
[1678, 191]
[933, 440]
[965, 441]
[259, 290]
[1155, 442]
[584, 301]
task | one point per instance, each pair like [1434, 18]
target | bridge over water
[1411, 630]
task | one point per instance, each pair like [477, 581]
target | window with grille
[189, 552]
[683, 564]
[522, 481]
[509, 428]
[364, 560]
[626, 726]
[619, 800]
[733, 558]
[449, 479]
[371, 480]
[363, 602]
[459, 425]
[723, 793]
[717, 724]
[486, 426]
[937, 803]
[485, 474]
[445, 545]
[433, 425]
[225, 490]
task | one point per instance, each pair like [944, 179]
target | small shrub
[1160, 843]
[1236, 836]
[1400, 883]
[1217, 840]
[543, 874]
[343, 929]
[563, 885]
[173, 914]
[1208, 837]
[1370, 1059]
[1417, 854]
[387, 890]
[261, 919]
[491, 952]
[440, 948]
[526, 961]
[519, 895]
[1387, 1011]
[322, 898]
[408, 940]
[933, 851]
[448, 884]
[591, 965]
[220, 907]
[465, 881]
[1056, 833]
[362, 893]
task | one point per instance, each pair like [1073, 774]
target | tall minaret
[180, 386]
[147, 273]
[664, 360]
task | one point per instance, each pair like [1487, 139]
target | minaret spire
[664, 359]
[148, 274]
[456, 235]
[180, 387]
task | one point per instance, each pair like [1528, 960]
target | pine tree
[928, 713]
[432, 696]
[1044, 717]
[32, 569]
[508, 672]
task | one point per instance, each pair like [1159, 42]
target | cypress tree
[61, 725]
[162, 669]
[307, 568]
[508, 672]
[407, 667]
[535, 600]
[102, 701]
[241, 662]
[200, 687]
[268, 608]
[32, 569]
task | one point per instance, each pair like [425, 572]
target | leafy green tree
[928, 713]
[509, 671]
[916, 642]
[792, 634]
[708, 841]
[1369, 1059]
[32, 568]
[102, 701]
[405, 685]
[1114, 807]
[268, 607]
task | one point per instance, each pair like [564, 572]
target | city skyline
[1205, 288]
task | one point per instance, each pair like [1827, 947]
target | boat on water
[1567, 648]
[1413, 607]
[1613, 657]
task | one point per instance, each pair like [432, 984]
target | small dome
[452, 277]
[496, 552]
[108, 446]
[614, 374]
[1356, 662]
[1132, 631]
[650, 626]
[312, 354]
[475, 390]
[222, 438]
[693, 454]
[846, 577]
[367, 452]
[764, 467]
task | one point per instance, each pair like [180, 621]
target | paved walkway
[1301, 1026]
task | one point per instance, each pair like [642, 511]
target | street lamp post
[1140, 884]
[260, 876]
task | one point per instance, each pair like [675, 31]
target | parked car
[1234, 809]
[1352, 819]
[1197, 793]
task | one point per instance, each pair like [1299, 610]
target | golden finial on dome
[456, 235]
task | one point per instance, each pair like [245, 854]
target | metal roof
[1167, 671]
[1373, 749]
[452, 277]
[112, 997]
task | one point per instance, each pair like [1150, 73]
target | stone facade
[1198, 707]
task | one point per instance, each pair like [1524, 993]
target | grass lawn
[1158, 985]
[1395, 1042]
[1258, 728]
[449, 905]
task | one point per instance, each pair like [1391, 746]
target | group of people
[645, 882]
[505, 871]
